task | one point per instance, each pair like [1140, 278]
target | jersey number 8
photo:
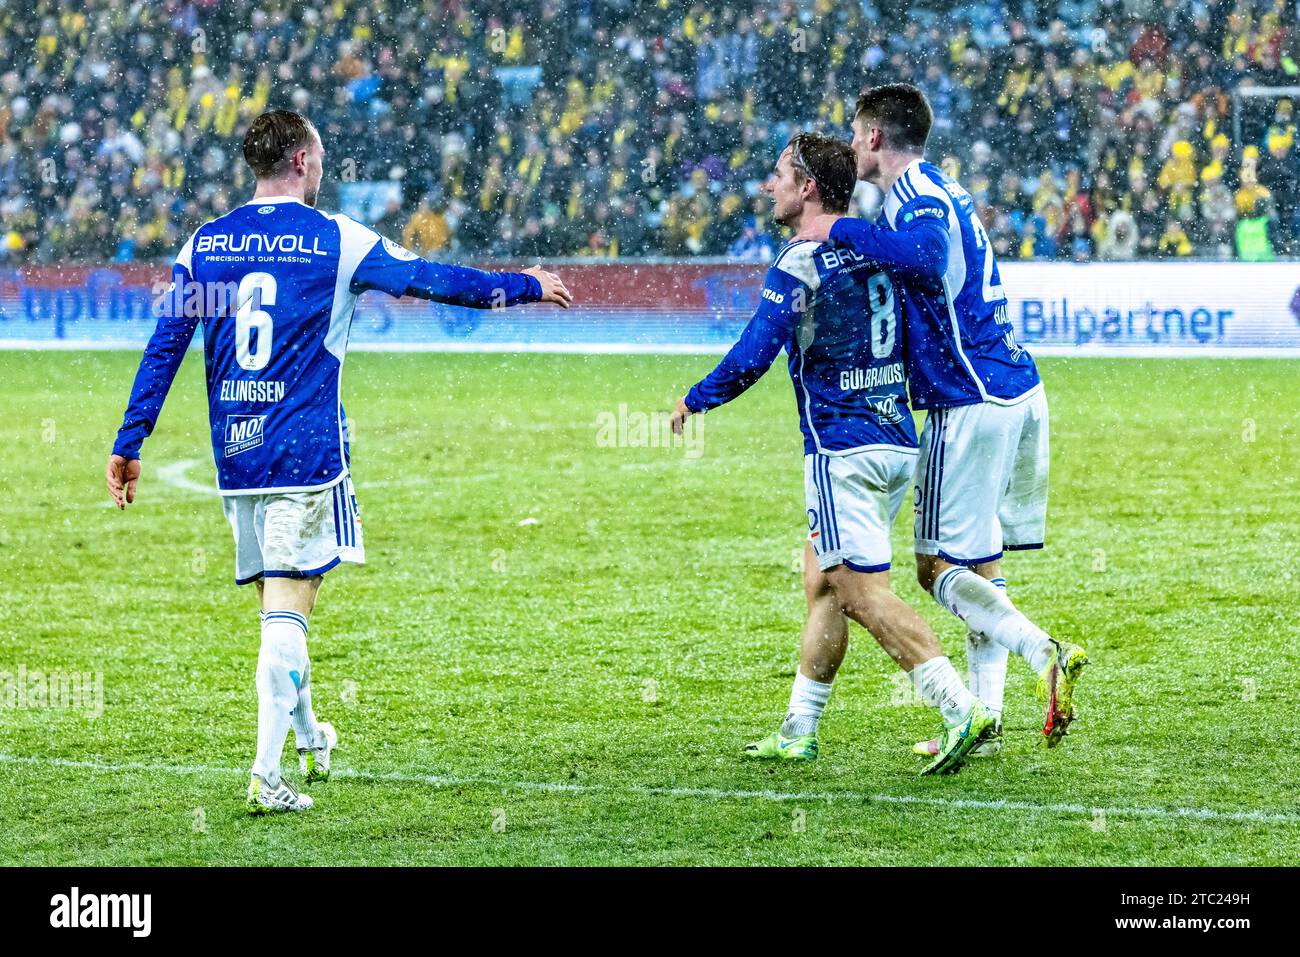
[883, 319]
[248, 320]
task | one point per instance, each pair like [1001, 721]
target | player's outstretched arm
[754, 352]
[553, 287]
[920, 244]
[388, 267]
[480, 289]
[741, 367]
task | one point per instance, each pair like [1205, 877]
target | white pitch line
[174, 475]
[716, 794]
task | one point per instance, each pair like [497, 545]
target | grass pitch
[558, 647]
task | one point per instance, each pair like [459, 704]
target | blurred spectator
[752, 246]
[1251, 194]
[427, 232]
[1174, 240]
[1218, 213]
[1120, 238]
[1082, 128]
[392, 220]
[1280, 175]
[1254, 244]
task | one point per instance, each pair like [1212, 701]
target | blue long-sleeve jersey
[960, 344]
[835, 314]
[274, 283]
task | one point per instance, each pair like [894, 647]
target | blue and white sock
[986, 610]
[304, 718]
[986, 666]
[281, 664]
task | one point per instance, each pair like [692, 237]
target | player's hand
[553, 287]
[121, 475]
[680, 414]
[818, 229]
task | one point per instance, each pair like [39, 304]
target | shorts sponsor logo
[244, 432]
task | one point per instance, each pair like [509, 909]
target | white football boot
[264, 799]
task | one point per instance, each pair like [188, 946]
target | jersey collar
[900, 193]
[275, 199]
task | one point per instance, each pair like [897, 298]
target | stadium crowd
[1085, 129]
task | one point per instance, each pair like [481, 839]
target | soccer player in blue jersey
[981, 478]
[274, 283]
[835, 314]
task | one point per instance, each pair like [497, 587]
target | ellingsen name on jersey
[257, 243]
[251, 390]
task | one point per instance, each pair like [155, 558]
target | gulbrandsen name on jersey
[873, 377]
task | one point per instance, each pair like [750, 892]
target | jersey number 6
[248, 320]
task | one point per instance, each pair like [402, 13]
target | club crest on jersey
[396, 251]
[244, 432]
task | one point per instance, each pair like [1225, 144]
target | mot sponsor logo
[244, 432]
[885, 408]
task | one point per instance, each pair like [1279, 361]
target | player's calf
[987, 611]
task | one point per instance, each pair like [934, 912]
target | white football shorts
[294, 534]
[981, 480]
[852, 502]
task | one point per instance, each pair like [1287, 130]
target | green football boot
[776, 745]
[1056, 687]
[989, 749]
[958, 740]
